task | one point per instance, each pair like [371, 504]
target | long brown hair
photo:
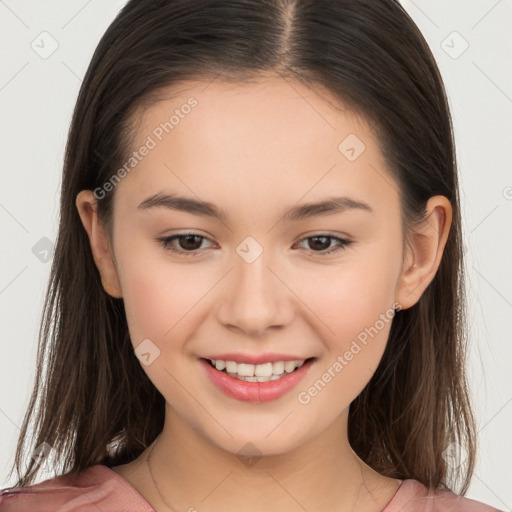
[95, 404]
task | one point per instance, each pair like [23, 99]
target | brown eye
[319, 243]
[188, 243]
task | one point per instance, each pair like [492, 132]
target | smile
[256, 372]
[255, 383]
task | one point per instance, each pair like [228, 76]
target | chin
[258, 442]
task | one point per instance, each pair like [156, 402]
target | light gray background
[37, 96]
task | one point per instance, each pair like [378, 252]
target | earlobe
[424, 252]
[86, 204]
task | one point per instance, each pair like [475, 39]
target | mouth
[256, 382]
[264, 372]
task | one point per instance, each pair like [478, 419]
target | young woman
[256, 300]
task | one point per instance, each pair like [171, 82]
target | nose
[255, 299]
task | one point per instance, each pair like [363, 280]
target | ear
[86, 204]
[424, 251]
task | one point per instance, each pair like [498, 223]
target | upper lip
[256, 359]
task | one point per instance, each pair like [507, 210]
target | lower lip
[255, 392]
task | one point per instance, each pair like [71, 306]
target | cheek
[159, 301]
[159, 296]
[351, 296]
[353, 353]
[353, 307]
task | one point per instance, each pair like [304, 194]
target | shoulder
[413, 496]
[96, 488]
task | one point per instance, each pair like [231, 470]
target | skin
[256, 149]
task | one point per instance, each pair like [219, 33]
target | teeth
[255, 379]
[231, 367]
[278, 368]
[289, 366]
[257, 372]
[263, 370]
[245, 370]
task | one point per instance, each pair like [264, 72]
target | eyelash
[166, 241]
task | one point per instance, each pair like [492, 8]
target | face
[269, 280]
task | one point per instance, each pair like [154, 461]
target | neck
[189, 472]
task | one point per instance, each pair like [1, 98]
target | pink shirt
[100, 489]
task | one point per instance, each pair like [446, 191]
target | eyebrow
[193, 206]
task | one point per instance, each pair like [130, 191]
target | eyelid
[166, 240]
[342, 243]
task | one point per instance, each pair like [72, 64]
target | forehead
[273, 140]
[262, 107]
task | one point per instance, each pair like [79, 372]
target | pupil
[322, 246]
[186, 245]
